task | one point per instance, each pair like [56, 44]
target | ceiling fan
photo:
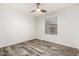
[38, 9]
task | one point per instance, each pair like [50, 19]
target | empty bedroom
[39, 29]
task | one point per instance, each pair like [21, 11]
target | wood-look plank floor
[38, 48]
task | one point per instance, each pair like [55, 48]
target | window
[51, 25]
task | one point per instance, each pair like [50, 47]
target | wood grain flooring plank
[38, 48]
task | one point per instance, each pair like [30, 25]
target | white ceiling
[27, 7]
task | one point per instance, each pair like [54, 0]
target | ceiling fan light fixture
[38, 10]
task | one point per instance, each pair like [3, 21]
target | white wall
[15, 27]
[68, 27]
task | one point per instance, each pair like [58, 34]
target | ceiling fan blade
[43, 10]
[32, 11]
